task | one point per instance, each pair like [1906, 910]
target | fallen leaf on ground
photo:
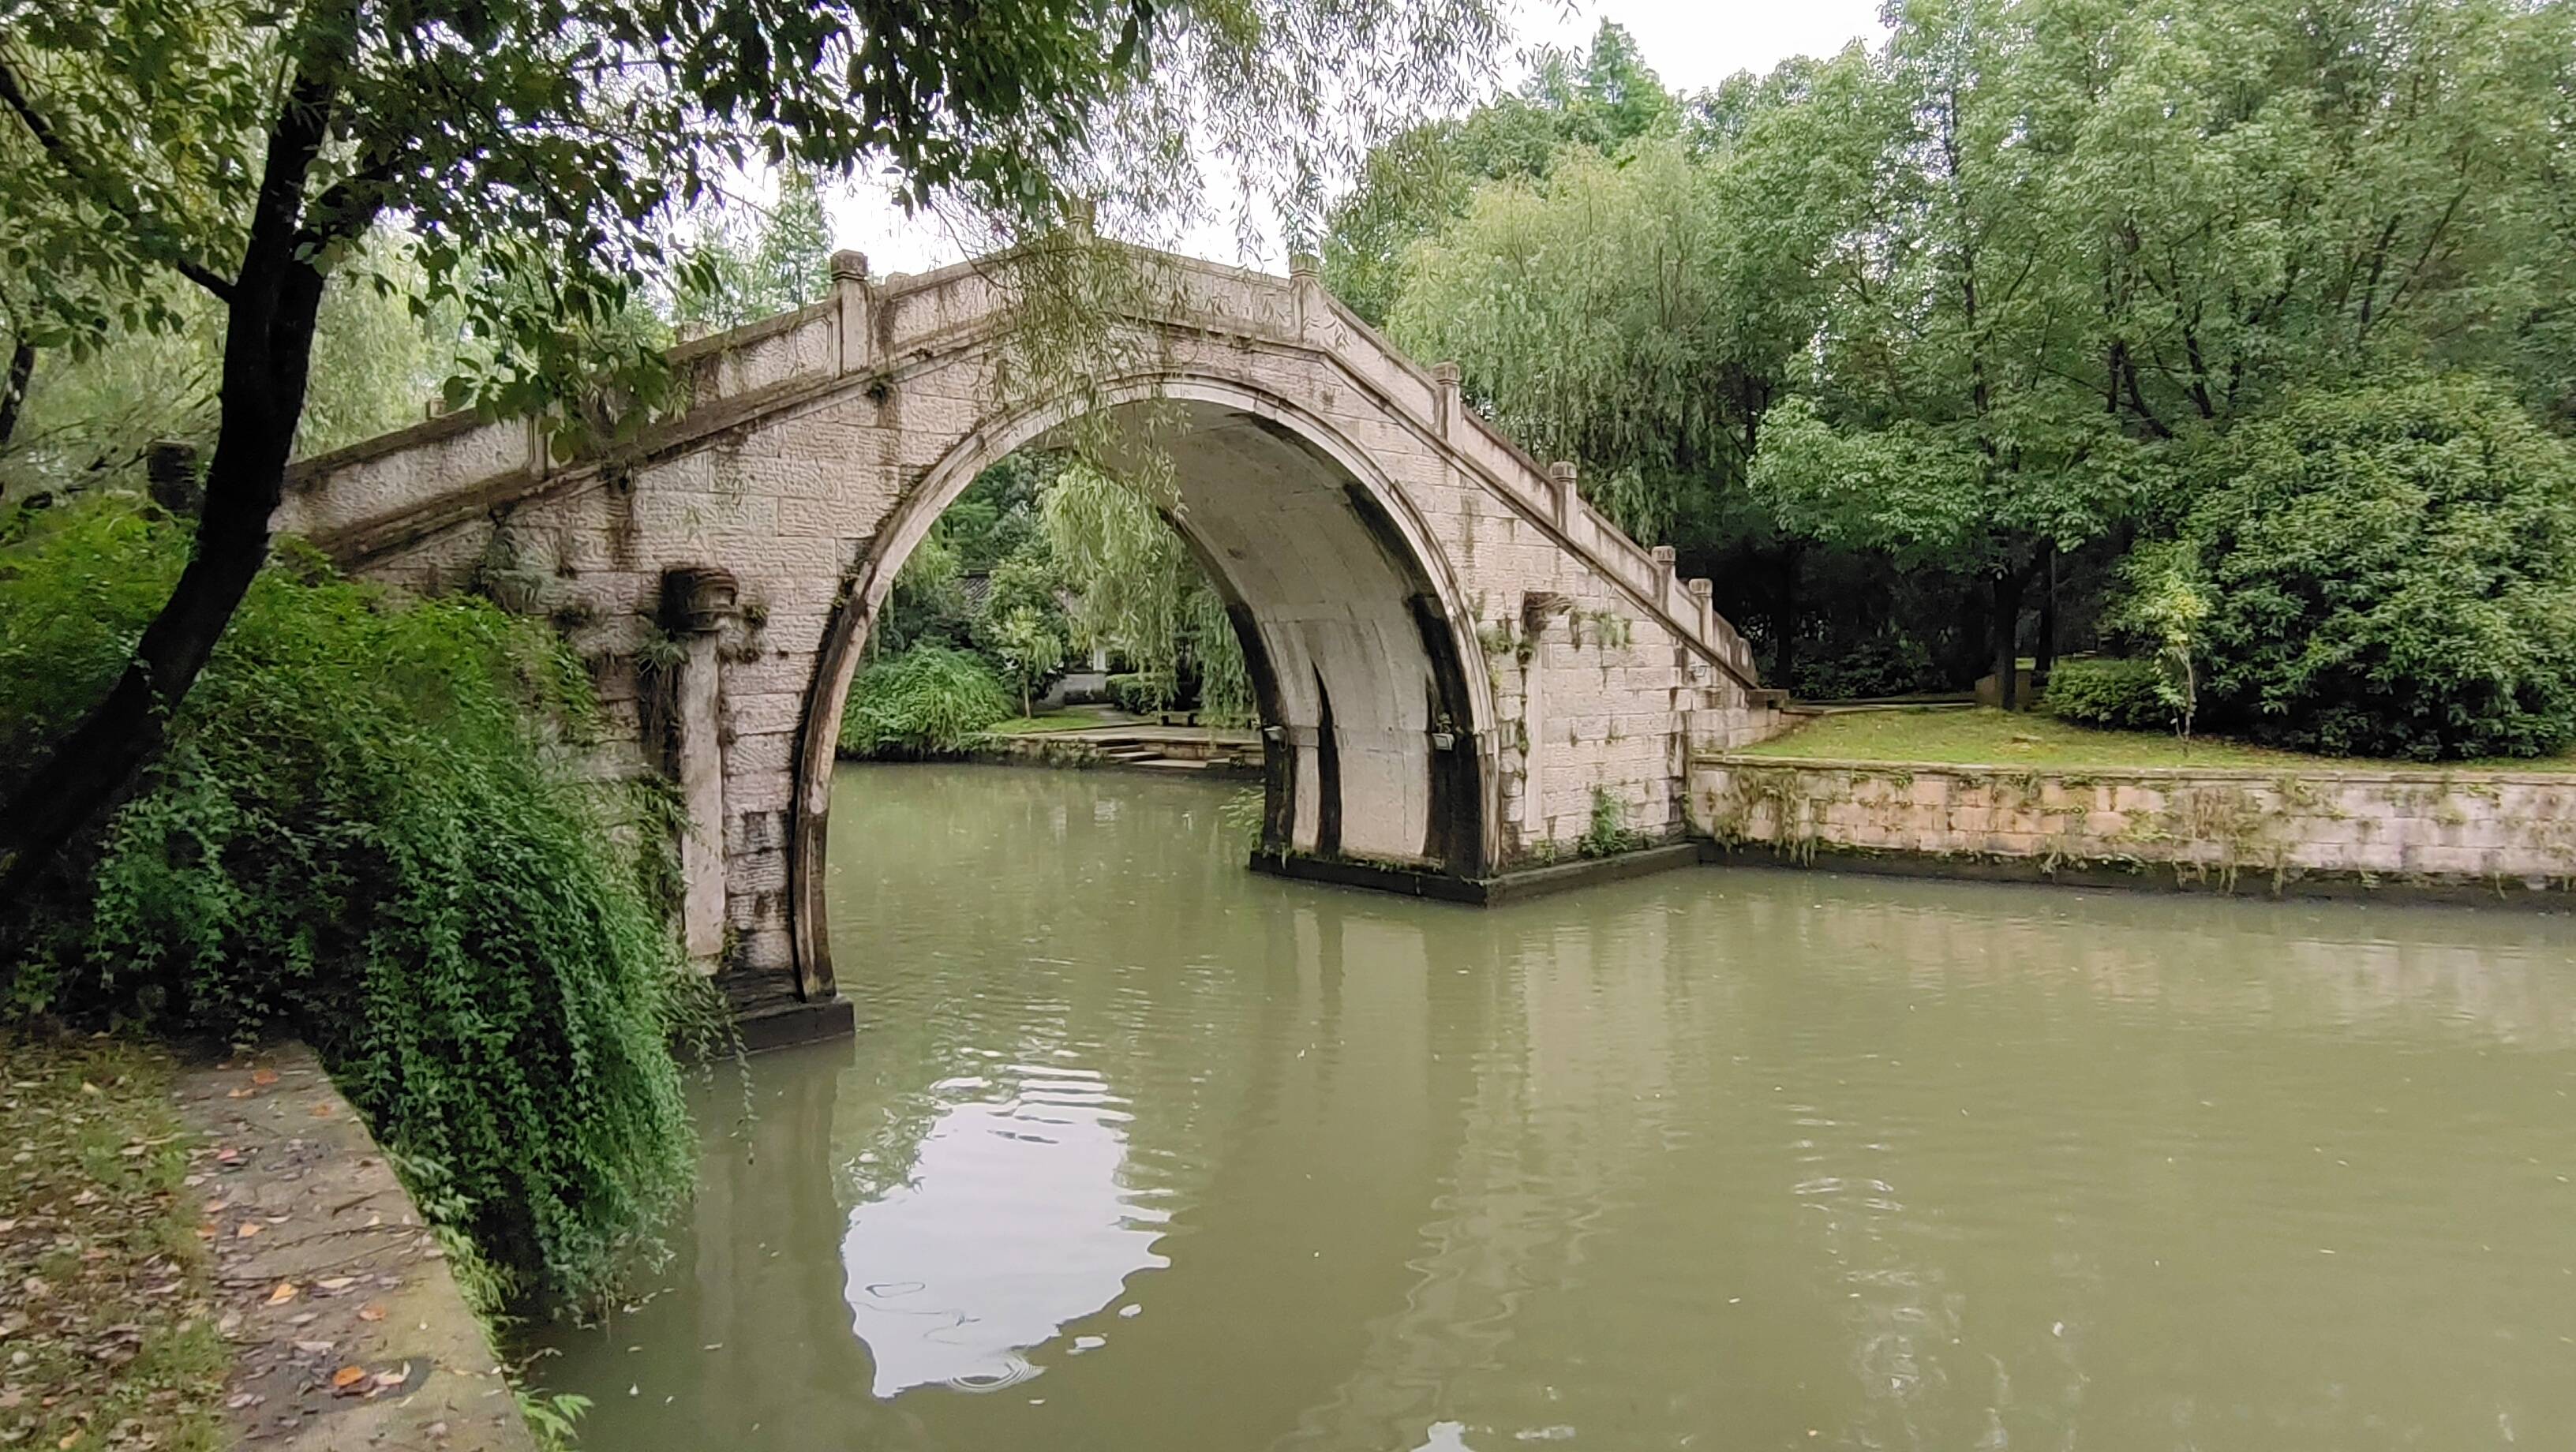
[248, 1229]
[371, 1312]
[347, 1376]
[284, 1293]
[263, 1077]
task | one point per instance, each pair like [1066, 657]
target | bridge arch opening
[1376, 713]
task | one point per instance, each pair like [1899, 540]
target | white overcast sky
[1690, 43]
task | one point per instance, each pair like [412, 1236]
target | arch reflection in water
[1013, 1222]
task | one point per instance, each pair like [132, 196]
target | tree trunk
[2007, 628]
[1784, 617]
[2044, 650]
[268, 351]
[13, 387]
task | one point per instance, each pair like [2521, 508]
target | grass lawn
[106, 1337]
[1985, 737]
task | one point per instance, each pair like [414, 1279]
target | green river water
[1138, 1152]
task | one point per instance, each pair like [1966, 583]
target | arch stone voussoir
[1456, 658]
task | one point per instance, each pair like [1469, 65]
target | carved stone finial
[1663, 556]
[849, 267]
[1445, 374]
[1304, 265]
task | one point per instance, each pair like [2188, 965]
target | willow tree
[1642, 311]
[1600, 99]
[749, 263]
[245, 150]
[1137, 589]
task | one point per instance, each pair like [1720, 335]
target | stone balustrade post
[1701, 590]
[1444, 397]
[1563, 481]
[1306, 286]
[857, 301]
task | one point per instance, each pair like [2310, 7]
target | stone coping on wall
[2460, 834]
[2420, 775]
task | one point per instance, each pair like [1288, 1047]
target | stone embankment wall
[2486, 832]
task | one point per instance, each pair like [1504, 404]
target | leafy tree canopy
[2392, 572]
[1602, 99]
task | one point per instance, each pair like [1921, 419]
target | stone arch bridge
[1452, 651]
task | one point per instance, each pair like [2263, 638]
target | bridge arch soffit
[1358, 634]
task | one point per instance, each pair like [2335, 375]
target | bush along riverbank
[366, 833]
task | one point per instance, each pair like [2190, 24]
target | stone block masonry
[2464, 834]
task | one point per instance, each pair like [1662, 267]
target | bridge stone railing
[382, 494]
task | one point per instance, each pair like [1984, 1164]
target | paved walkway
[347, 1329]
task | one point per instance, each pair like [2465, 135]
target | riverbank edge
[2468, 837]
[1517, 885]
[1078, 754]
[323, 1264]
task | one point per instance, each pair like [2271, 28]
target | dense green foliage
[2392, 571]
[743, 268]
[2112, 693]
[1142, 693]
[931, 700]
[1069, 560]
[1139, 594]
[1910, 347]
[363, 833]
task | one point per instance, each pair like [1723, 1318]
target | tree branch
[51, 141]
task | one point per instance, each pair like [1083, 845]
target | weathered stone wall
[1460, 651]
[2465, 828]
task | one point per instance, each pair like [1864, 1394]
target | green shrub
[2117, 695]
[2391, 571]
[928, 701]
[1142, 693]
[1891, 665]
[363, 832]
[1608, 834]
